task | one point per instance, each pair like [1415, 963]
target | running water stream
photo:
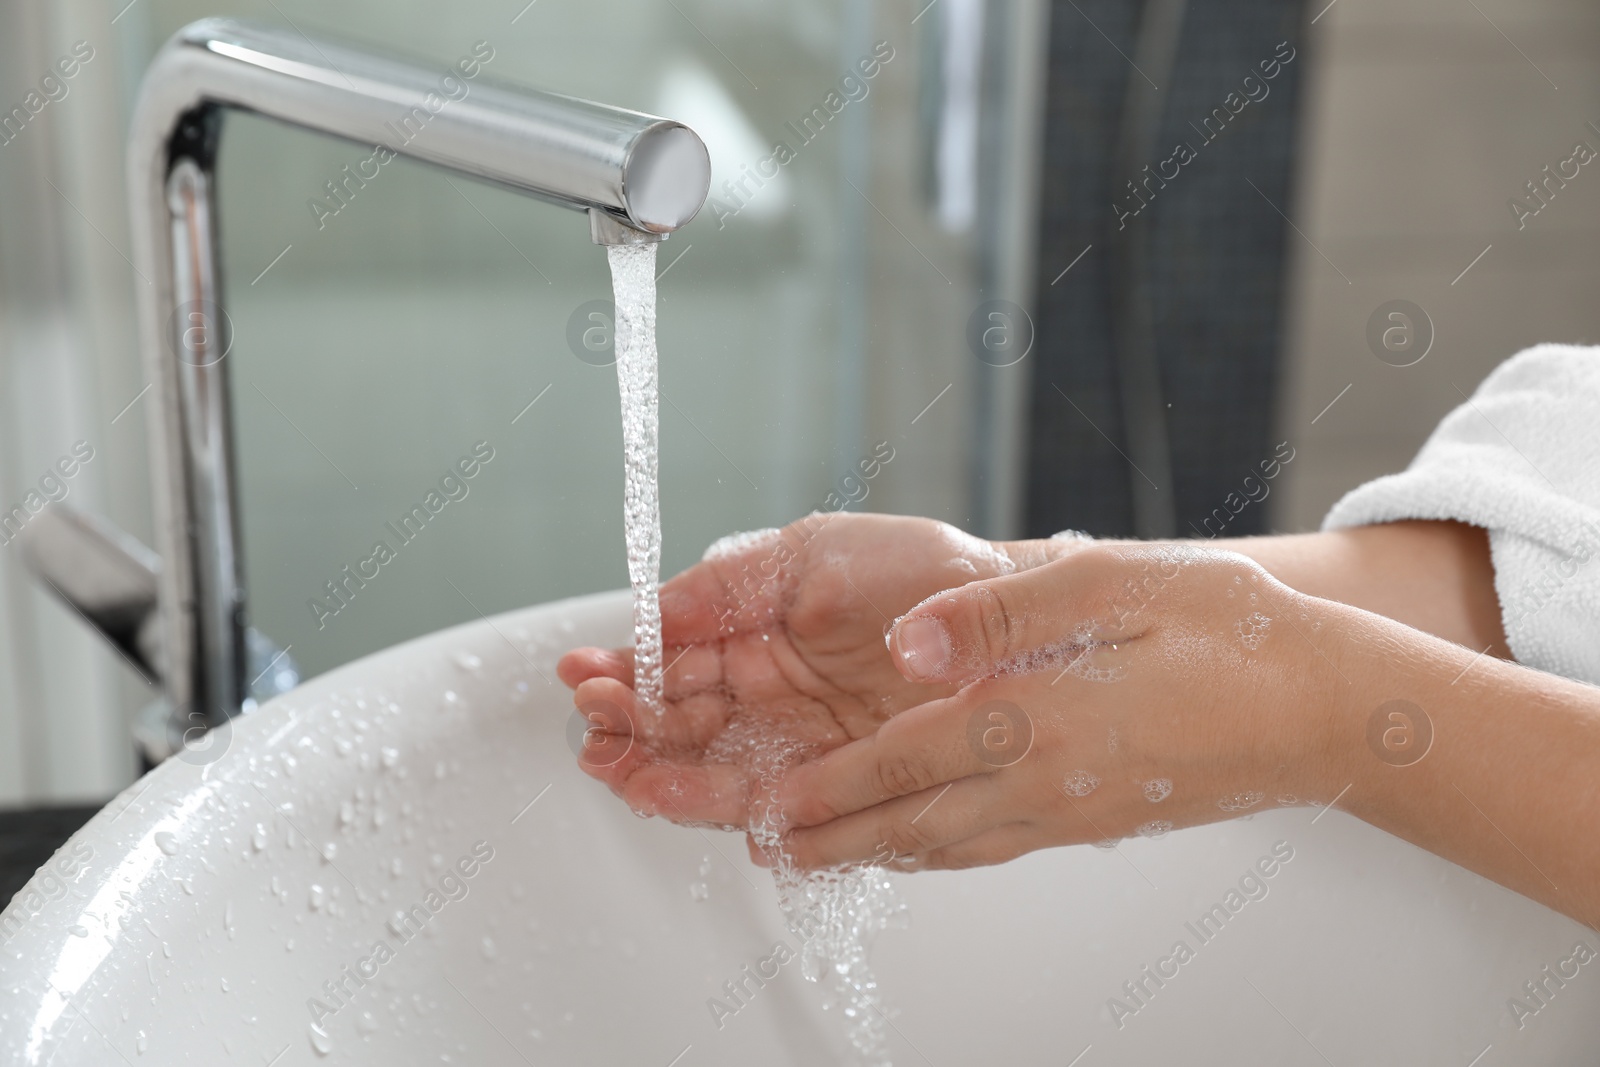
[633, 281]
[834, 914]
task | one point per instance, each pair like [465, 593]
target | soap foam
[1241, 801]
[1071, 657]
[1157, 789]
[1080, 784]
[735, 544]
[1253, 630]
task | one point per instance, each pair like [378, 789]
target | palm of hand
[775, 652]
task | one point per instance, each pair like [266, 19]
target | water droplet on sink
[467, 661]
[167, 843]
[489, 950]
[368, 1024]
[77, 931]
[347, 813]
[258, 839]
[320, 1040]
[389, 757]
[317, 898]
[141, 1043]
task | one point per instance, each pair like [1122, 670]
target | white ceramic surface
[194, 920]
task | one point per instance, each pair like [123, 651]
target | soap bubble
[1080, 784]
[1157, 789]
[1253, 631]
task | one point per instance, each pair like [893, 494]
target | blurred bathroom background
[939, 267]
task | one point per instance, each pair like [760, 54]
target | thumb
[969, 632]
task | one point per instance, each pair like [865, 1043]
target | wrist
[1038, 551]
[1437, 577]
[1330, 679]
[1374, 725]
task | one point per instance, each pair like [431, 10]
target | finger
[973, 631]
[921, 748]
[685, 671]
[684, 726]
[987, 849]
[758, 855]
[705, 794]
[582, 664]
[648, 776]
[737, 586]
[906, 826]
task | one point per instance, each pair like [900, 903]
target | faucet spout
[651, 173]
[637, 176]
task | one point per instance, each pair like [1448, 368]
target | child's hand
[782, 634]
[1121, 690]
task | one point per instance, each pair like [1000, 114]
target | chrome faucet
[637, 176]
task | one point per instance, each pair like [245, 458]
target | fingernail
[923, 645]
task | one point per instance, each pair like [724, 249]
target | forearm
[1509, 785]
[1434, 576]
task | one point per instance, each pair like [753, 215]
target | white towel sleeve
[1521, 459]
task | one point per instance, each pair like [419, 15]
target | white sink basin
[194, 919]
